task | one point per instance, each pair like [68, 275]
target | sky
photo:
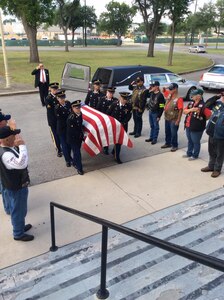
[100, 6]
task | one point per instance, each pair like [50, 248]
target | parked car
[197, 49]
[77, 77]
[213, 78]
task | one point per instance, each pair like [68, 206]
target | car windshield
[217, 70]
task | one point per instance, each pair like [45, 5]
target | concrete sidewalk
[118, 193]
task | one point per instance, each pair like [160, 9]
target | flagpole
[7, 78]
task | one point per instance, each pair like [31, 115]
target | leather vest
[171, 114]
[13, 179]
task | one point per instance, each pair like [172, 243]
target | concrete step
[136, 270]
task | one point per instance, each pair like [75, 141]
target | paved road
[44, 166]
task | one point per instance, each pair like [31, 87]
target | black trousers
[43, 90]
[216, 154]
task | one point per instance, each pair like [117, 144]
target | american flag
[101, 130]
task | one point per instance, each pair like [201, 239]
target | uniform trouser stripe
[55, 139]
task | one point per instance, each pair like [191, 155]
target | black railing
[103, 293]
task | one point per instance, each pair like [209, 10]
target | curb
[198, 70]
[35, 91]
[19, 93]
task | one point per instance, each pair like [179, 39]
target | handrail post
[53, 247]
[103, 293]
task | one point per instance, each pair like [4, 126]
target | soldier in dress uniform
[121, 110]
[105, 102]
[94, 96]
[103, 105]
[62, 111]
[50, 102]
[75, 134]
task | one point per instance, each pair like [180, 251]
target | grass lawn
[20, 69]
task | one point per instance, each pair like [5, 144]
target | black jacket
[104, 104]
[62, 113]
[74, 133]
[93, 98]
[36, 72]
[121, 113]
[51, 101]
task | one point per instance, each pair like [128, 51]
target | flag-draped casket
[101, 130]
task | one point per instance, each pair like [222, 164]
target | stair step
[136, 270]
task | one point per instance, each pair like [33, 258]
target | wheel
[187, 98]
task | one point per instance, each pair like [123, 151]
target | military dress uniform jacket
[74, 132]
[104, 104]
[62, 112]
[50, 102]
[121, 112]
[92, 98]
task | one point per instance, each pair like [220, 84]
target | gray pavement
[150, 179]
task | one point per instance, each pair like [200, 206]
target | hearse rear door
[76, 77]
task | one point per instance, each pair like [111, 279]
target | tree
[63, 16]
[219, 19]
[32, 13]
[177, 10]
[117, 19]
[152, 12]
[83, 16]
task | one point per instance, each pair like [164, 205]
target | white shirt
[12, 162]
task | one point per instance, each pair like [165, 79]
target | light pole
[7, 78]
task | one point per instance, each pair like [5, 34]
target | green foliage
[34, 12]
[117, 19]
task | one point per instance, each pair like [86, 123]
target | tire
[187, 98]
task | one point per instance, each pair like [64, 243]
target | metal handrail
[103, 293]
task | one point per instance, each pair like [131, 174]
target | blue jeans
[171, 133]
[137, 117]
[77, 158]
[194, 142]
[4, 200]
[154, 124]
[18, 209]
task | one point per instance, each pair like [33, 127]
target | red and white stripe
[102, 130]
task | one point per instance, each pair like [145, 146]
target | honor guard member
[104, 104]
[75, 134]
[62, 111]
[94, 96]
[138, 100]
[51, 101]
[121, 110]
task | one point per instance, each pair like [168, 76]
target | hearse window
[76, 73]
[103, 75]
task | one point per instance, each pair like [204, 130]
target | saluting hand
[19, 141]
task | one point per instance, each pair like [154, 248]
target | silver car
[197, 49]
[77, 77]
